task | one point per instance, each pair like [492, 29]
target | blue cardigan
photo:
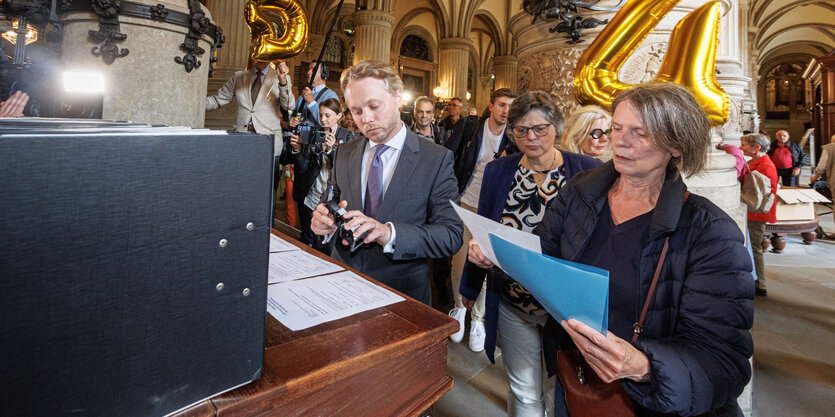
[496, 184]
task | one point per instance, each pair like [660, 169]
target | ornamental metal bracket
[572, 23]
[108, 11]
[198, 25]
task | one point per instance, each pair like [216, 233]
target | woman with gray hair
[687, 353]
[515, 191]
[755, 146]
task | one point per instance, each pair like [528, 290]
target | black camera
[311, 134]
[341, 231]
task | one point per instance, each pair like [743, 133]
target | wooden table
[806, 228]
[390, 361]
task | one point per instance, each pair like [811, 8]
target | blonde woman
[587, 133]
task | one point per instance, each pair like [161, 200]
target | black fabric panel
[109, 266]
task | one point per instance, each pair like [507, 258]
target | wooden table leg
[808, 237]
[778, 243]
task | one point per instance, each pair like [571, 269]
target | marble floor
[794, 343]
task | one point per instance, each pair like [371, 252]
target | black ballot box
[133, 267]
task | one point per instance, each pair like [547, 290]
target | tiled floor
[794, 343]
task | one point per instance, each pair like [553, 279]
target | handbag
[756, 192]
[586, 395]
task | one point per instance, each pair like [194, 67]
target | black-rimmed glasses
[538, 130]
[598, 133]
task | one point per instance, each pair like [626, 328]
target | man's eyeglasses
[597, 133]
[538, 130]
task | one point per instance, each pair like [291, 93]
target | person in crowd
[312, 166]
[825, 169]
[787, 157]
[587, 132]
[490, 141]
[425, 126]
[14, 105]
[515, 191]
[692, 354]
[308, 104]
[472, 112]
[347, 121]
[737, 154]
[258, 92]
[755, 146]
[395, 187]
[456, 126]
[425, 121]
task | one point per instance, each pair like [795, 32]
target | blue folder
[568, 290]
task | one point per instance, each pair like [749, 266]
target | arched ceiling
[788, 30]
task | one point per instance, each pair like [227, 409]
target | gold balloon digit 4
[690, 60]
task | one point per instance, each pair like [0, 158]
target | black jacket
[798, 156]
[456, 131]
[307, 164]
[439, 134]
[697, 329]
[467, 156]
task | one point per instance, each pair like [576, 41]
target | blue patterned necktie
[374, 183]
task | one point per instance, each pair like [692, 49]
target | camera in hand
[311, 134]
[341, 232]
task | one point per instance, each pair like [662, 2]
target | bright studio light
[83, 82]
[407, 98]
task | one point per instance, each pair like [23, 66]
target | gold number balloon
[690, 59]
[268, 44]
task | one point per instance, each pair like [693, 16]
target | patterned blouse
[524, 209]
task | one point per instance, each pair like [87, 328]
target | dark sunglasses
[597, 133]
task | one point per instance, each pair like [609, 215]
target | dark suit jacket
[416, 202]
[466, 159]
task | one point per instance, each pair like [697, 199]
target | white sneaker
[477, 335]
[458, 314]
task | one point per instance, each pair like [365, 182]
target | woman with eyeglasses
[587, 133]
[515, 191]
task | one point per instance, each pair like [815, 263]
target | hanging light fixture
[11, 34]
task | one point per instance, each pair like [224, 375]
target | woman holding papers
[515, 191]
[691, 357]
[755, 146]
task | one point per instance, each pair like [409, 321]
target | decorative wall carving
[552, 71]
[643, 65]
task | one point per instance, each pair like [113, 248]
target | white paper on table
[278, 244]
[308, 302]
[481, 227]
[295, 264]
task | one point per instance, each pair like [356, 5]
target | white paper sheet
[278, 244]
[295, 264]
[481, 227]
[308, 302]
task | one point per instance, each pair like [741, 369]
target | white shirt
[489, 146]
[389, 159]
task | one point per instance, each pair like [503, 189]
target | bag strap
[639, 326]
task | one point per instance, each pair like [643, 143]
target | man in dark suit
[395, 186]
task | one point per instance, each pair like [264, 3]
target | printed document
[308, 302]
[295, 264]
[278, 244]
[481, 227]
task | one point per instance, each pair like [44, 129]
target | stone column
[372, 39]
[233, 56]
[504, 68]
[827, 115]
[454, 54]
[146, 85]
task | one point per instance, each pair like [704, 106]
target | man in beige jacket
[259, 93]
[826, 168]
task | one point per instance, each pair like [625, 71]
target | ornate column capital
[505, 60]
[373, 18]
[462, 44]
